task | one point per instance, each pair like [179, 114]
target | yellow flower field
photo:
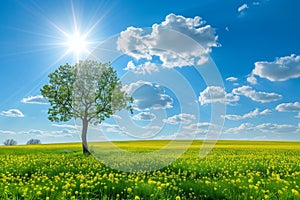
[232, 170]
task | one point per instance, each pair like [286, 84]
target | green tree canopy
[89, 91]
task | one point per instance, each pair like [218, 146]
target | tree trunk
[85, 149]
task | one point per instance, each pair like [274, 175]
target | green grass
[232, 170]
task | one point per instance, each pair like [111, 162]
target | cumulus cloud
[262, 97]
[281, 69]
[214, 94]
[277, 128]
[251, 114]
[39, 99]
[265, 128]
[289, 107]
[244, 127]
[174, 48]
[145, 68]
[144, 116]
[148, 95]
[251, 79]
[243, 7]
[12, 113]
[232, 79]
[182, 118]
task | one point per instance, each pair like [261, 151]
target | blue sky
[242, 57]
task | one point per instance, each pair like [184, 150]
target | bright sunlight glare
[77, 44]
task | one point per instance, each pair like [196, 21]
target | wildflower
[295, 192]
[177, 198]
[136, 198]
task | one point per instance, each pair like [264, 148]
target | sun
[73, 38]
[77, 44]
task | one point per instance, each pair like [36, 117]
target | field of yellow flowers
[232, 170]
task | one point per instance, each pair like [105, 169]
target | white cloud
[244, 127]
[116, 116]
[200, 127]
[232, 79]
[56, 134]
[262, 97]
[174, 48]
[282, 69]
[129, 89]
[289, 107]
[264, 128]
[256, 3]
[111, 128]
[43, 133]
[140, 133]
[242, 7]
[12, 113]
[182, 118]
[214, 94]
[189, 131]
[144, 116]
[251, 114]
[251, 79]
[265, 112]
[277, 128]
[145, 68]
[39, 99]
[65, 126]
[148, 95]
[7, 132]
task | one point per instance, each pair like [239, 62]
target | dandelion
[295, 192]
[136, 198]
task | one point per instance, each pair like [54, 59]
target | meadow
[232, 170]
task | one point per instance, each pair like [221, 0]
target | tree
[34, 141]
[89, 91]
[10, 142]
